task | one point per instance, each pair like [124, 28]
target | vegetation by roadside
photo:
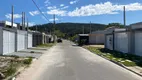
[47, 45]
[119, 57]
[10, 65]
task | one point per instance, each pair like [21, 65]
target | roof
[8, 23]
[83, 34]
[98, 32]
[136, 25]
[110, 31]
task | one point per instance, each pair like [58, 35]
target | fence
[125, 40]
[13, 40]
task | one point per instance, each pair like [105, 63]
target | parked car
[59, 40]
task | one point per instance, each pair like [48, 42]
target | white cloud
[103, 8]
[16, 16]
[74, 2]
[47, 2]
[51, 7]
[57, 12]
[56, 19]
[31, 23]
[65, 7]
[91, 9]
[33, 13]
[61, 5]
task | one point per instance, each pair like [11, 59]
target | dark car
[59, 40]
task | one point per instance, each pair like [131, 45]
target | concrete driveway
[66, 61]
[35, 52]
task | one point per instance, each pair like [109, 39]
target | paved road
[69, 62]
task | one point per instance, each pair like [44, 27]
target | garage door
[121, 42]
[30, 40]
[109, 42]
[21, 41]
[8, 42]
[138, 43]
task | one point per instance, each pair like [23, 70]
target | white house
[126, 40]
[97, 37]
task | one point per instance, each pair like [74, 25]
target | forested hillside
[69, 28]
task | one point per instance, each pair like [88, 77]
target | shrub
[10, 71]
[126, 63]
[28, 61]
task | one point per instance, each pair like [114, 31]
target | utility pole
[83, 29]
[54, 21]
[27, 32]
[22, 20]
[124, 17]
[90, 27]
[36, 27]
[12, 17]
[27, 24]
[54, 24]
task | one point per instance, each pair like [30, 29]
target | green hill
[69, 29]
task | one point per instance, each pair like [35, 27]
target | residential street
[65, 61]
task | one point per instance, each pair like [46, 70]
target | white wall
[121, 42]
[138, 43]
[92, 39]
[96, 38]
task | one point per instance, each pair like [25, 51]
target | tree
[118, 25]
[59, 34]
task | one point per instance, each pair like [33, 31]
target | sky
[75, 11]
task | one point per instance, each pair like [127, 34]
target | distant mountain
[69, 28]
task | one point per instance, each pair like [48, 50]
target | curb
[120, 65]
[123, 66]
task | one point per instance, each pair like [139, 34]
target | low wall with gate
[13, 40]
[125, 40]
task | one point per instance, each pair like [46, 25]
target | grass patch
[28, 61]
[10, 70]
[10, 65]
[127, 63]
[47, 45]
[123, 58]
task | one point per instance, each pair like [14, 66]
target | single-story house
[126, 40]
[13, 40]
[83, 39]
[117, 39]
[136, 38]
[97, 37]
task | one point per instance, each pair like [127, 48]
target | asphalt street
[66, 61]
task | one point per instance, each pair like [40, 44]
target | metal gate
[109, 42]
[30, 40]
[21, 40]
[121, 42]
[138, 43]
[8, 42]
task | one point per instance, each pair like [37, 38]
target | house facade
[126, 40]
[97, 37]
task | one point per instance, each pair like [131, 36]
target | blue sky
[82, 11]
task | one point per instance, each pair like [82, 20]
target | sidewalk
[34, 52]
[136, 69]
[38, 65]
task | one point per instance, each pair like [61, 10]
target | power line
[40, 10]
